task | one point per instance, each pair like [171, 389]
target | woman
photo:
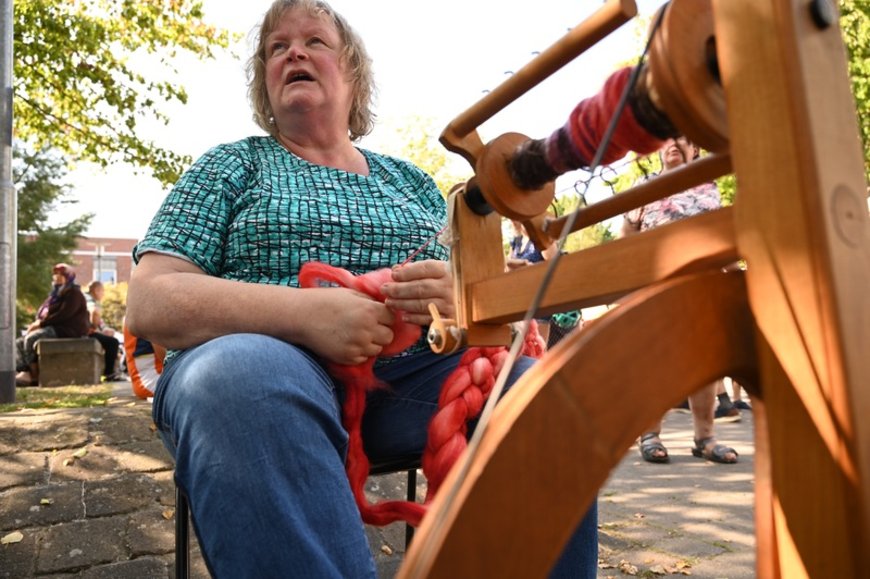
[244, 403]
[694, 201]
[64, 314]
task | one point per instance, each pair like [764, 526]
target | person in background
[144, 362]
[99, 331]
[63, 314]
[523, 252]
[245, 403]
[705, 197]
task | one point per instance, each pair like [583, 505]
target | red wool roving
[462, 397]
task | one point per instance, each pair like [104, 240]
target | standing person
[700, 199]
[245, 404]
[99, 331]
[63, 314]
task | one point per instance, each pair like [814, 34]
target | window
[105, 269]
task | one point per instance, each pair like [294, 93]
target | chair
[182, 510]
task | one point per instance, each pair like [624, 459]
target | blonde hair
[354, 56]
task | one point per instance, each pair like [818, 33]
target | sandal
[716, 453]
[652, 449]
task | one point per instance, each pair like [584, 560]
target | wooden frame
[795, 327]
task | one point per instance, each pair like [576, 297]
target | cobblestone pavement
[88, 493]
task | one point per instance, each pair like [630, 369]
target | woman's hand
[417, 284]
[346, 327]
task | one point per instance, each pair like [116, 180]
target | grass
[59, 397]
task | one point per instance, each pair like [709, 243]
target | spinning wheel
[763, 84]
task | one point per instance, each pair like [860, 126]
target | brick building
[108, 259]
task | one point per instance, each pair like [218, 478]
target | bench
[64, 361]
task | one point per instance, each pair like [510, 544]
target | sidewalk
[90, 492]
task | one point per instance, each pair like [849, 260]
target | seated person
[102, 333]
[63, 314]
[245, 402]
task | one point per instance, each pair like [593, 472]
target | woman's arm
[173, 303]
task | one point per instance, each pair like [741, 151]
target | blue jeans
[254, 425]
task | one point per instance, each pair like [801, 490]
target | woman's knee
[239, 372]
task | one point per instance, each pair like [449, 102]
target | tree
[37, 177]
[115, 305]
[416, 143]
[855, 25]
[76, 89]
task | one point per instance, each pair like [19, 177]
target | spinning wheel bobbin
[498, 187]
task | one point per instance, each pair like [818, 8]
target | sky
[431, 60]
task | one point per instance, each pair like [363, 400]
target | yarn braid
[462, 398]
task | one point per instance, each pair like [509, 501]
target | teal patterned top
[252, 211]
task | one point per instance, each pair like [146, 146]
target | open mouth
[299, 77]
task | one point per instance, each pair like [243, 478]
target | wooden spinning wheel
[763, 84]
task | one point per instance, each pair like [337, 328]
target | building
[108, 259]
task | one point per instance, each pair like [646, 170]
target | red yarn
[462, 398]
[588, 122]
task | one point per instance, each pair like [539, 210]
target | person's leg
[110, 352]
[737, 396]
[254, 426]
[395, 425]
[27, 362]
[701, 403]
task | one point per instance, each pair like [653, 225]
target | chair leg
[411, 494]
[182, 539]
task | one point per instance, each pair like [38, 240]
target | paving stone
[150, 532]
[18, 560]
[9, 435]
[84, 463]
[121, 494]
[145, 456]
[198, 570]
[24, 468]
[41, 505]
[143, 568]
[82, 544]
[124, 425]
[52, 431]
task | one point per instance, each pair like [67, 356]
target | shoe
[741, 405]
[727, 414]
[25, 379]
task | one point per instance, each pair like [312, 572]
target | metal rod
[8, 213]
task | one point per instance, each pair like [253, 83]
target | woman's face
[304, 70]
[677, 152]
[57, 278]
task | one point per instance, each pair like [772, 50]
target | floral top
[700, 199]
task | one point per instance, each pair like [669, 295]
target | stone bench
[65, 361]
